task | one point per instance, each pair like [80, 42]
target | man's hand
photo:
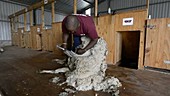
[64, 45]
[80, 51]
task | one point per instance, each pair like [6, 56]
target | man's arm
[90, 45]
[64, 38]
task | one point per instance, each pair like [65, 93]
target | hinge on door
[150, 26]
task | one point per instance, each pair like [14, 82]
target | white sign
[166, 61]
[38, 29]
[127, 21]
[22, 31]
[45, 1]
[168, 25]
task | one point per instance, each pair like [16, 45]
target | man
[79, 25]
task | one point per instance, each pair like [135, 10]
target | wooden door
[157, 49]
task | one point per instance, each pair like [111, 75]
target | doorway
[129, 48]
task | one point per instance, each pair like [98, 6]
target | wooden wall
[15, 39]
[157, 50]
[105, 29]
[21, 37]
[47, 40]
[27, 38]
[36, 32]
[57, 37]
[139, 18]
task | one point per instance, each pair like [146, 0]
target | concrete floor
[19, 76]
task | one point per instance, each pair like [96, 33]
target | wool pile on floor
[87, 71]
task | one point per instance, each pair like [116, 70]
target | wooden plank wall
[47, 40]
[44, 40]
[27, 39]
[157, 49]
[105, 29]
[139, 17]
[50, 39]
[57, 37]
[21, 37]
[36, 37]
[15, 39]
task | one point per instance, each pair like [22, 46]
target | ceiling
[63, 6]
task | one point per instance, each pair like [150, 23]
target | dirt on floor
[19, 76]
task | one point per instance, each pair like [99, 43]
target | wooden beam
[75, 6]
[12, 24]
[31, 18]
[147, 7]
[53, 12]
[25, 21]
[42, 17]
[96, 8]
[34, 6]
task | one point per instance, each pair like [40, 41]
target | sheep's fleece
[87, 71]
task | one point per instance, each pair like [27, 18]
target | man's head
[72, 23]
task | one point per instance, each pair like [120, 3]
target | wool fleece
[87, 71]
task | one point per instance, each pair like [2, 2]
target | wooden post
[12, 24]
[96, 11]
[10, 20]
[42, 17]
[147, 7]
[25, 21]
[12, 37]
[75, 6]
[17, 22]
[31, 18]
[53, 12]
[96, 8]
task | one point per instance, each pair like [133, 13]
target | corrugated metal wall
[157, 9]
[7, 8]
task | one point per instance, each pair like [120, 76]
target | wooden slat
[53, 11]
[34, 6]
